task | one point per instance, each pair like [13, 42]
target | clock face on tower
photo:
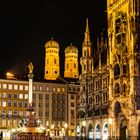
[120, 32]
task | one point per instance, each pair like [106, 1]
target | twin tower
[52, 67]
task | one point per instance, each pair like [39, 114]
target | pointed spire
[87, 35]
[87, 28]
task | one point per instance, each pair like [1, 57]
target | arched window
[54, 60]
[67, 66]
[117, 88]
[74, 65]
[116, 70]
[117, 108]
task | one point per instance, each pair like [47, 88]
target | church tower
[124, 62]
[86, 59]
[71, 62]
[52, 69]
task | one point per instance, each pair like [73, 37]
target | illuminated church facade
[52, 67]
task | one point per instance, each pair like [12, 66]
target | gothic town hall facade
[108, 104]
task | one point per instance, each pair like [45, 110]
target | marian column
[30, 114]
[30, 76]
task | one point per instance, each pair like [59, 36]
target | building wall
[123, 27]
[50, 103]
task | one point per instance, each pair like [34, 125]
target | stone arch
[123, 130]
[98, 132]
[90, 132]
[105, 131]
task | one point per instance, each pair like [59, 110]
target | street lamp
[66, 126]
[52, 129]
[84, 128]
[110, 126]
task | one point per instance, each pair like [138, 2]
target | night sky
[26, 25]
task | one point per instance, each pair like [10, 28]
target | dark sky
[26, 25]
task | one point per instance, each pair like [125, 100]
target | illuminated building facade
[92, 100]
[13, 104]
[52, 68]
[109, 97]
[124, 75]
[54, 104]
[71, 62]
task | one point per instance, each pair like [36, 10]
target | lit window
[15, 87]
[0, 95]
[10, 113]
[3, 113]
[3, 122]
[20, 113]
[0, 103]
[40, 88]
[9, 122]
[15, 113]
[58, 89]
[63, 89]
[15, 122]
[26, 87]
[26, 96]
[21, 87]
[20, 96]
[47, 88]
[3, 104]
[54, 89]
[4, 86]
[0, 85]
[10, 86]
[4, 95]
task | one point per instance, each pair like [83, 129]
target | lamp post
[110, 128]
[66, 131]
[84, 129]
[52, 129]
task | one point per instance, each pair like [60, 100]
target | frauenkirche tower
[71, 62]
[52, 69]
